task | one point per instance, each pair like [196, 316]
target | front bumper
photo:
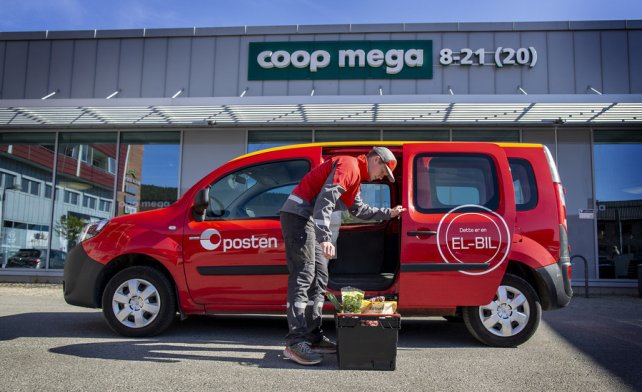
[554, 280]
[81, 277]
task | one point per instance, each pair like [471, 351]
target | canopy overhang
[418, 110]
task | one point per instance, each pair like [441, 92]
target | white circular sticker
[480, 236]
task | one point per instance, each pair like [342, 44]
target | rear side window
[524, 184]
[256, 191]
[445, 181]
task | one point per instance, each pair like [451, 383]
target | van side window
[524, 184]
[445, 181]
[256, 191]
[374, 195]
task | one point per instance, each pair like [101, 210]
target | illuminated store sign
[340, 60]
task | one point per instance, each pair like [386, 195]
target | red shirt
[348, 173]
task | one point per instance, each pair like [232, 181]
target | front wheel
[510, 319]
[139, 301]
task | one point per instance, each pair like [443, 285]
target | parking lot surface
[593, 345]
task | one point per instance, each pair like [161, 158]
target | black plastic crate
[367, 341]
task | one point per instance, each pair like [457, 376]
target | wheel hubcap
[507, 314]
[136, 303]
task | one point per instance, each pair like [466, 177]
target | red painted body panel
[423, 290]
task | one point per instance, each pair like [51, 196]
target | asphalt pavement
[594, 344]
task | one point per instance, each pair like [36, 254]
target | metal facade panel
[615, 62]
[635, 61]
[361, 87]
[588, 62]
[201, 83]
[534, 79]
[403, 86]
[107, 60]
[130, 68]
[60, 71]
[254, 87]
[13, 83]
[456, 77]
[38, 69]
[561, 73]
[3, 45]
[226, 70]
[508, 79]
[327, 87]
[295, 87]
[270, 87]
[84, 66]
[178, 66]
[482, 77]
[154, 67]
[370, 86]
[434, 85]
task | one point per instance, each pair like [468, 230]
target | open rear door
[457, 232]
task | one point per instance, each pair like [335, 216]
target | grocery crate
[367, 341]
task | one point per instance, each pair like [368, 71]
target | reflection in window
[486, 136]
[260, 140]
[256, 191]
[148, 175]
[26, 163]
[618, 191]
[372, 194]
[444, 182]
[82, 179]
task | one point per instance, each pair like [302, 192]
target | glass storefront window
[82, 179]
[486, 136]
[417, 135]
[148, 177]
[618, 189]
[26, 167]
[260, 140]
[346, 136]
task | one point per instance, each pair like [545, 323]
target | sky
[38, 15]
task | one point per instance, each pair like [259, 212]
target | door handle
[421, 233]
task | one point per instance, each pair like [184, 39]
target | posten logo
[211, 239]
[340, 60]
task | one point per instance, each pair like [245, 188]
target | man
[310, 219]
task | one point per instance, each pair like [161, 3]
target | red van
[483, 238]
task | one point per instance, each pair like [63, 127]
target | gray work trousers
[307, 281]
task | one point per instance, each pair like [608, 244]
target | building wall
[204, 151]
[213, 62]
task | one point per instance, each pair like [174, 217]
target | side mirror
[201, 201]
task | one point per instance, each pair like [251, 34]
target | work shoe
[302, 354]
[324, 346]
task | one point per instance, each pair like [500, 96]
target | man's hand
[394, 212]
[328, 250]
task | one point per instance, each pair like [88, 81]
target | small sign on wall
[587, 214]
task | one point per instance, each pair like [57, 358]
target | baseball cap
[388, 158]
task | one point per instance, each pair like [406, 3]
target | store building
[101, 123]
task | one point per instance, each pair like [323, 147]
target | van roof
[373, 143]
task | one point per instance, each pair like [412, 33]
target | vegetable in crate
[351, 299]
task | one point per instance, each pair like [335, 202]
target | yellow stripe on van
[372, 143]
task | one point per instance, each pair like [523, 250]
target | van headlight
[92, 229]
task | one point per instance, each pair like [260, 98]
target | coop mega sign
[340, 60]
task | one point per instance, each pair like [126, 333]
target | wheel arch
[130, 260]
[537, 283]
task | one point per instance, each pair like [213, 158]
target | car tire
[510, 319]
[139, 301]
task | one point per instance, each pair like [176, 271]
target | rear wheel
[139, 301]
[510, 319]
